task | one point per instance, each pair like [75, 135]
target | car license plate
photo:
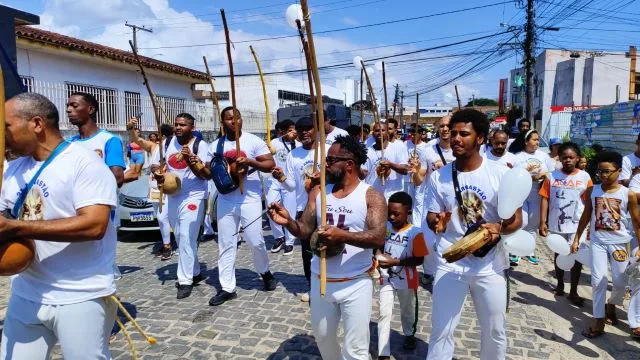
[142, 216]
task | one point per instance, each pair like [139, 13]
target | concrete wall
[607, 72]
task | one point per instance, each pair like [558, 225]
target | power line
[340, 29]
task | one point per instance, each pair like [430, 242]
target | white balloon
[294, 12]
[565, 262]
[519, 243]
[378, 65]
[558, 244]
[357, 62]
[583, 255]
[513, 191]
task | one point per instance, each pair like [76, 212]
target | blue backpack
[220, 170]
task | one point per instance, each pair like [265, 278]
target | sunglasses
[334, 159]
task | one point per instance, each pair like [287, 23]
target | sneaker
[222, 297]
[288, 250]
[532, 259]
[184, 291]
[270, 282]
[167, 253]
[513, 260]
[409, 343]
[278, 245]
[305, 297]
[426, 279]
[194, 280]
[157, 252]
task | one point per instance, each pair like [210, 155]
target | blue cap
[555, 141]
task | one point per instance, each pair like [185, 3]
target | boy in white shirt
[404, 249]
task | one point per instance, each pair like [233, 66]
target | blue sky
[193, 22]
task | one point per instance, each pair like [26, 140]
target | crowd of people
[393, 205]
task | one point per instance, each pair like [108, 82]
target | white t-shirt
[299, 163]
[64, 273]
[191, 186]
[536, 163]
[330, 138]
[393, 183]
[432, 157]
[609, 216]
[566, 199]
[479, 190]
[403, 244]
[370, 141]
[282, 148]
[252, 147]
[506, 158]
[628, 163]
[350, 214]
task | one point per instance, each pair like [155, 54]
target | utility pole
[136, 28]
[529, 46]
[402, 107]
[632, 73]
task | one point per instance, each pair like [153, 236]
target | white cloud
[103, 22]
[349, 21]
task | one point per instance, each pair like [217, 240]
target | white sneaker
[304, 297]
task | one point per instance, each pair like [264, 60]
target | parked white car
[135, 211]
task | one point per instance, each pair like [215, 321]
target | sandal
[589, 333]
[576, 300]
[635, 333]
[558, 291]
[610, 315]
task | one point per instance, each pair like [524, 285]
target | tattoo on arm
[303, 228]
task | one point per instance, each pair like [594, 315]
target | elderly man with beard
[356, 219]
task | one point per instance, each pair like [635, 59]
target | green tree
[482, 102]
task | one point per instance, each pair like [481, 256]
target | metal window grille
[27, 81]
[132, 104]
[171, 105]
[107, 115]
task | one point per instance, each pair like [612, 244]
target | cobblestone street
[276, 325]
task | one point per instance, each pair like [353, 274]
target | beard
[334, 178]
[499, 151]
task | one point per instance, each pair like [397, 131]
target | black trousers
[307, 254]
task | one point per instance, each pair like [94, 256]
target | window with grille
[132, 104]
[171, 105]
[27, 82]
[107, 102]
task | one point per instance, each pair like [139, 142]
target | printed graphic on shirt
[33, 207]
[177, 162]
[619, 255]
[281, 156]
[473, 203]
[99, 152]
[534, 166]
[607, 213]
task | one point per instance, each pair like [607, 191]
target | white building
[565, 78]
[56, 65]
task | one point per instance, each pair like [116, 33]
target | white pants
[533, 212]
[185, 216]
[634, 309]
[601, 256]
[430, 262]
[351, 301]
[83, 329]
[408, 316]
[230, 216]
[288, 200]
[489, 294]
[163, 220]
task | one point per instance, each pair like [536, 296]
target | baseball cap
[304, 123]
[555, 141]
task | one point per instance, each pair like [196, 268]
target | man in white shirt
[301, 177]
[468, 187]
[630, 165]
[238, 208]
[283, 145]
[356, 220]
[62, 196]
[385, 173]
[498, 152]
[184, 157]
[331, 131]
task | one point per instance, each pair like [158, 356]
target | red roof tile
[33, 34]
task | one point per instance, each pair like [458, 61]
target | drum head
[331, 250]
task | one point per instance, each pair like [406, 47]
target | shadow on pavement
[396, 339]
[299, 346]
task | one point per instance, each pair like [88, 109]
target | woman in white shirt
[528, 156]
